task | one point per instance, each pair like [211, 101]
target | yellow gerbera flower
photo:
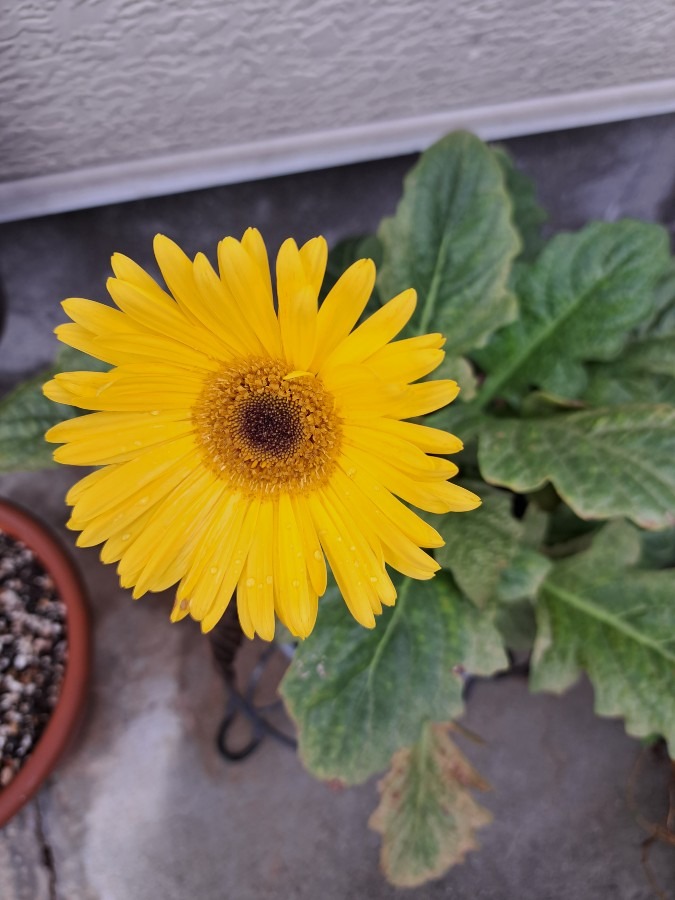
[241, 447]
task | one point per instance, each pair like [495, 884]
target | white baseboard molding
[133, 180]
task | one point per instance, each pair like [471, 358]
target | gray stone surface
[143, 808]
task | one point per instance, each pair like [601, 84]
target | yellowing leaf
[427, 817]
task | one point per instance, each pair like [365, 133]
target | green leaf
[578, 302]
[658, 549]
[612, 386]
[516, 624]
[25, 415]
[426, 816]
[662, 320]
[453, 241]
[528, 215]
[484, 552]
[598, 614]
[358, 696]
[645, 373]
[604, 463]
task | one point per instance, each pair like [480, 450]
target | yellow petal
[403, 454]
[374, 333]
[431, 440]
[297, 306]
[214, 556]
[405, 519]
[78, 337]
[295, 599]
[122, 480]
[161, 315]
[154, 348]
[432, 496]
[122, 439]
[314, 256]
[240, 550]
[420, 399]
[342, 308]
[224, 316]
[336, 544]
[256, 583]
[254, 245]
[316, 562]
[241, 274]
[395, 364]
[159, 556]
[99, 318]
[376, 507]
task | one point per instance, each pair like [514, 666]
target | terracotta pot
[19, 524]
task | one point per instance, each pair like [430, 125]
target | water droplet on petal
[373, 579]
[318, 554]
[214, 570]
[125, 537]
[269, 579]
[296, 583]
[155, 412]
[250, 582]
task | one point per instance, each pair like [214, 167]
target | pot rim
[18, 523]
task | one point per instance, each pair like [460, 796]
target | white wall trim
[97, 186]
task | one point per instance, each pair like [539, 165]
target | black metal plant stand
[226, 639]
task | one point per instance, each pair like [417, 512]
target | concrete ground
[143, 808]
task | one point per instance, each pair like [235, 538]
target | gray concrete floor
[143, 808]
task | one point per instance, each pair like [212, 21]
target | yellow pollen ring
[265, 430]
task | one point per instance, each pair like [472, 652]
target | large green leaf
[427, 817]
[528, 215]
[662, 319]
[645, 373]
[358, 696]
[598, 614]
[485, 553]
[452, 240]
[578, 302]
[605, 463]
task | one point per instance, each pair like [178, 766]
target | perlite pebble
[33, 653]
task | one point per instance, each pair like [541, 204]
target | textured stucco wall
[90, 82]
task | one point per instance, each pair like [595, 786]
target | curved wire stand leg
[226, 638]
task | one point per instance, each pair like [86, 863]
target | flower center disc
[264, 432]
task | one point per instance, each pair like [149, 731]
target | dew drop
[373, 579]
[144, 500]
[250, 582]
[184, 604]
[214, 570]
[125, 537]
[295, 583]
[155, 412]
[352, 548]
[351, 472]
[269, 579]
[318, 554]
